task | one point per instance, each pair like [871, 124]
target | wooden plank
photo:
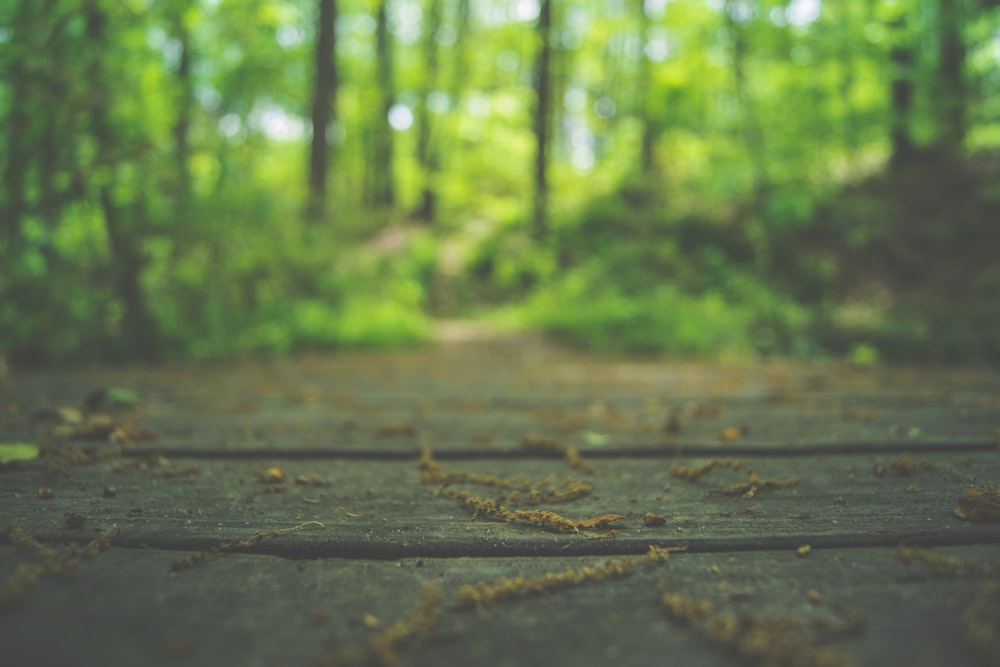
[482, 398]
[599, 426]
[378, 509]
[634, 425]
[528, 367]
[127, 607]
[328, 417]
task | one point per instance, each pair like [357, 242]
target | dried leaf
[58, 416]
[979, 505]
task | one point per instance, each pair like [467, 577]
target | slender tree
[737, 16]
[324, 107]
[127, 258]
[17, 139]
[902, 61]
[643, 84]
[950, 94]
[851, 17]
[383, 165]
[55, 141]
[450, 152]
[185, 105]
[458, 51]
[427, 152]
[543, 120]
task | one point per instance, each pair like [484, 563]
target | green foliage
[11, 452]
[154, 178]
[283, 286]
[631, 278]
[587, 306]
[913, 260]
[580, 309]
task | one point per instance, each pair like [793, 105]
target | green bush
[283, 285]
[586, 307]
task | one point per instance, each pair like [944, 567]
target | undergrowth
[898, 267]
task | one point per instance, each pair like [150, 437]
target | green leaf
[17, 451]
[122, 397]
[109, 397]
[596, 439]
[864, 355]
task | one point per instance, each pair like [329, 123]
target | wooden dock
[504, 502]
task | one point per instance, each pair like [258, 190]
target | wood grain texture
[375, 509]
[126, 607]
[271, 577]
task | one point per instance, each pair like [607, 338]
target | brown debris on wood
[730, 433]
[51, 561]
[59, 459]
[907, 467]
[411, 631]
[980, 505]
[697, 472]
[748, 489]
[936, 563]
[69, 424]
[384, 648]
[650, 519]
[570, 453]
[548, 519]
[475, 595]
[525, 491]
[777, 641]
[682, 608]
[755, 483]
[272, 475]
[184, 471]
[144, 462]
[506, 588]
[981, 621]
[310, 480]
[245, 544]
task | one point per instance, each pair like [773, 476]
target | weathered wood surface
[369, 538]
[380, 509]
[615, 425]
[127, 608]
[483, 398]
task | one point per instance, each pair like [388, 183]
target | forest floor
[494, 498]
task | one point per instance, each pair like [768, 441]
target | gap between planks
[785, 449]
[358, 547]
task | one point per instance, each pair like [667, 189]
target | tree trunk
[543, 120]
[643, 85]
[127, 260]
[950, 93]
[17, 123]
[323, 108]
[384, 181]
[902, 62]
[427, 154]
[56, 120]
[458, 56]
[753, 139]
[17, 126]
[182, 124]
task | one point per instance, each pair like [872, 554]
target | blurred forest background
[717, 178]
